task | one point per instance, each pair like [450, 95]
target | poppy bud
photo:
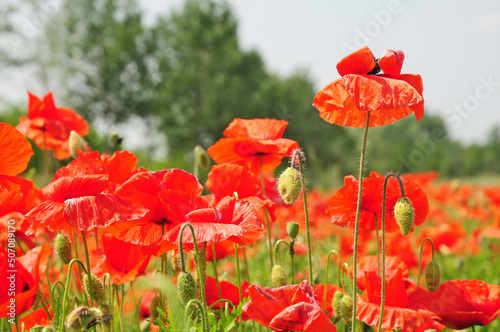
[289, 185]
[38, 301]
[292, 229]
[432, 276]
[76, 142]
[186, 286]
[79, 319]
[97, 288]
[177, 263]
[63, 248]
[337, 298]
[346, 308]
[403, 212]
[201, 157]
[278, 276]
[153, 307]
[104, 317]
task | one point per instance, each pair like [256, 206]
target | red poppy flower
[120, 166]
[81, 202]
[228, 290]
[50, 126]
[393, 265]
[255, 142]
[226, 179]
[35, 317]
[231, 220]
[342, 206]
[15, 150]
[288, 308]
[399, 311]
[22, 275]
[169, 195]
[122, 260]
[222, 249]
[461, 303]
[388, 98]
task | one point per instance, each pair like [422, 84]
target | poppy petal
[15, 150]
[361, 62]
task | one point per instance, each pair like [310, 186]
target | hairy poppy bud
[63, 248]
[97, 288]
[103, 316]
[292, 229]
[79, 319]
[346, 308]
[177, 263]
[337, 298]
[432, 276]
[278, 276]
[403, 212]
[153, 307]
[76, 142]
[186, 286]
[201, 157]
[289, 185]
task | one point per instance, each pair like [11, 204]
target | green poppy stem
[214, 264]
[292, 261]
[326, 274]
[420, 260]
[247, 268]
[382, 304]
[89, 275]
[358, 211]
[204, 318]
[66, 289]
[268, 222]
[275, 249]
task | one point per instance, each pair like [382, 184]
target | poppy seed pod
[432, 276]
[202, 157]
[292, 229]
[63, 248]
[278, 276]
[153, 307]
[76, 142]
[289, 185]
[346, 308]
[403, 212]
[337, 298]
[97, 288]
[186, 286]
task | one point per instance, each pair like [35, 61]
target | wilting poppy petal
[391, 62]
[15, 150]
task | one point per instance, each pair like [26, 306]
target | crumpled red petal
[258, 129]
[391, 62]
[361, 62]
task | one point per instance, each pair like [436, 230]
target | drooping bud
[97, 288]
[79, 319]
[278, 276]
[432, 276]
[289, 185]
[186, 286]
[337, 298]
[403, 212]
[63, 248]
[103, 316]
[292, 229]
[76, 142]
[202, 157]
[153, 307]
[346, 308]
[38, 300]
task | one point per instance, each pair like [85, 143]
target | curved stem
[268, 222]
[345, 266]
[200, 307]
[198, 257]
[275, 249]
[306, 213]
[221, 301]
[420, 260]
[330, 253]
[382, 304]
[66, 289]
[358, 211]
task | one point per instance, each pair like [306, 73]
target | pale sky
[454, 45]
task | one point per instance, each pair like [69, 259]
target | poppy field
[106, 245]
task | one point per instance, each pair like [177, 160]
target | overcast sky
[454, 45]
